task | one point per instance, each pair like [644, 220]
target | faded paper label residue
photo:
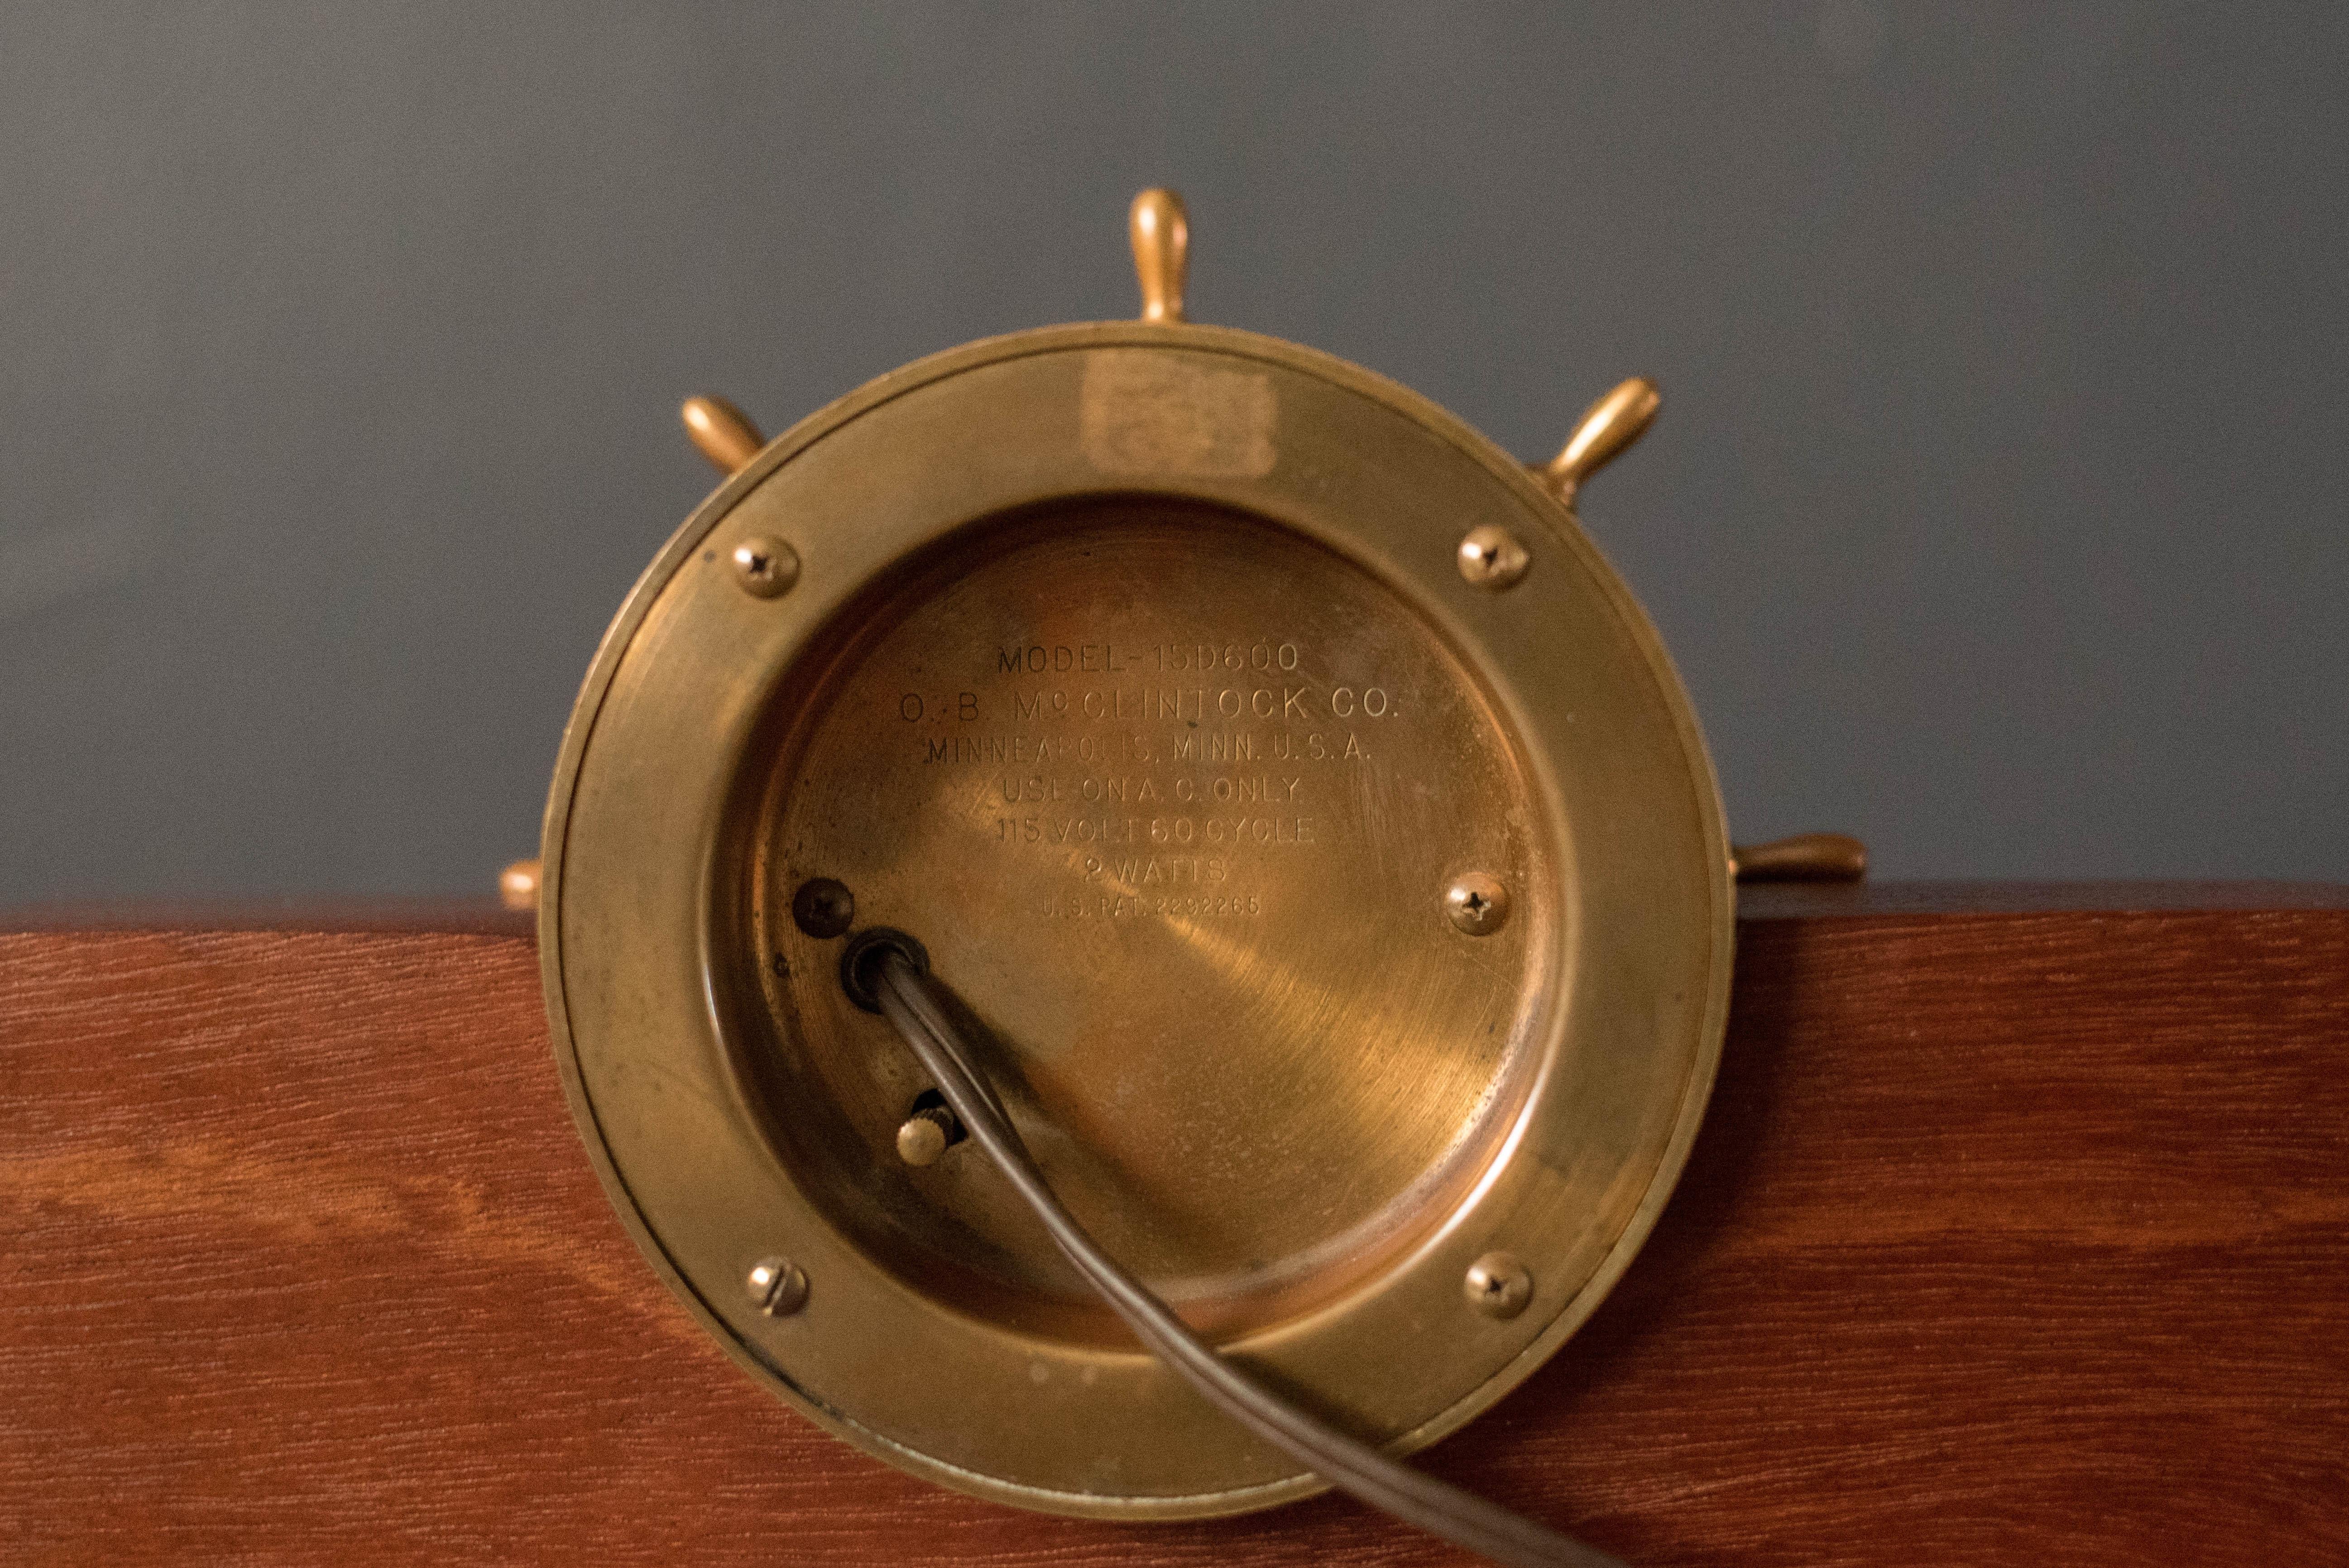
[1149, 413]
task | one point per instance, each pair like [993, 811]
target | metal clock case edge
[1520, 1201]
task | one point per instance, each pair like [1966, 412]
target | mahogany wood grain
[2011, 1237]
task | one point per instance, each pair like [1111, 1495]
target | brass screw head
[1490, 558]
[1477, 904]
[766, 567]
[1497, 1285]
[824, 907]
[778, 1286]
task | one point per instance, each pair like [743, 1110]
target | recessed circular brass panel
[1130, 671]
[1150, 780]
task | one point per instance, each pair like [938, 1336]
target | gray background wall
[1995, 514]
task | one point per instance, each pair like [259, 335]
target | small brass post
[925, 1135]
[1161, 231]
[721, 432]
[1606, 428]
[1805, 858]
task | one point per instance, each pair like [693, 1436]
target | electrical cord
[894, 972]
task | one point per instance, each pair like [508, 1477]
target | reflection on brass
[777, 1286]
[1498, 1286]
[765, 567]
[1130, 671]
[518, 885]
[1161, 231]
[1491, 557]
[721, 432]
[1606, 428]
[1805, 858]
[1476, 904]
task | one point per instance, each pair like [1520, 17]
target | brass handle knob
[721, 432]
[1606, 428]
[1161, 231]
[1805, 858]
[518, 886]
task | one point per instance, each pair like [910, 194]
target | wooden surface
[2011, 1237]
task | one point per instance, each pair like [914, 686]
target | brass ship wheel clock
[1295, 799]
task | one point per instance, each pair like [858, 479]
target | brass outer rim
[1558, 532]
